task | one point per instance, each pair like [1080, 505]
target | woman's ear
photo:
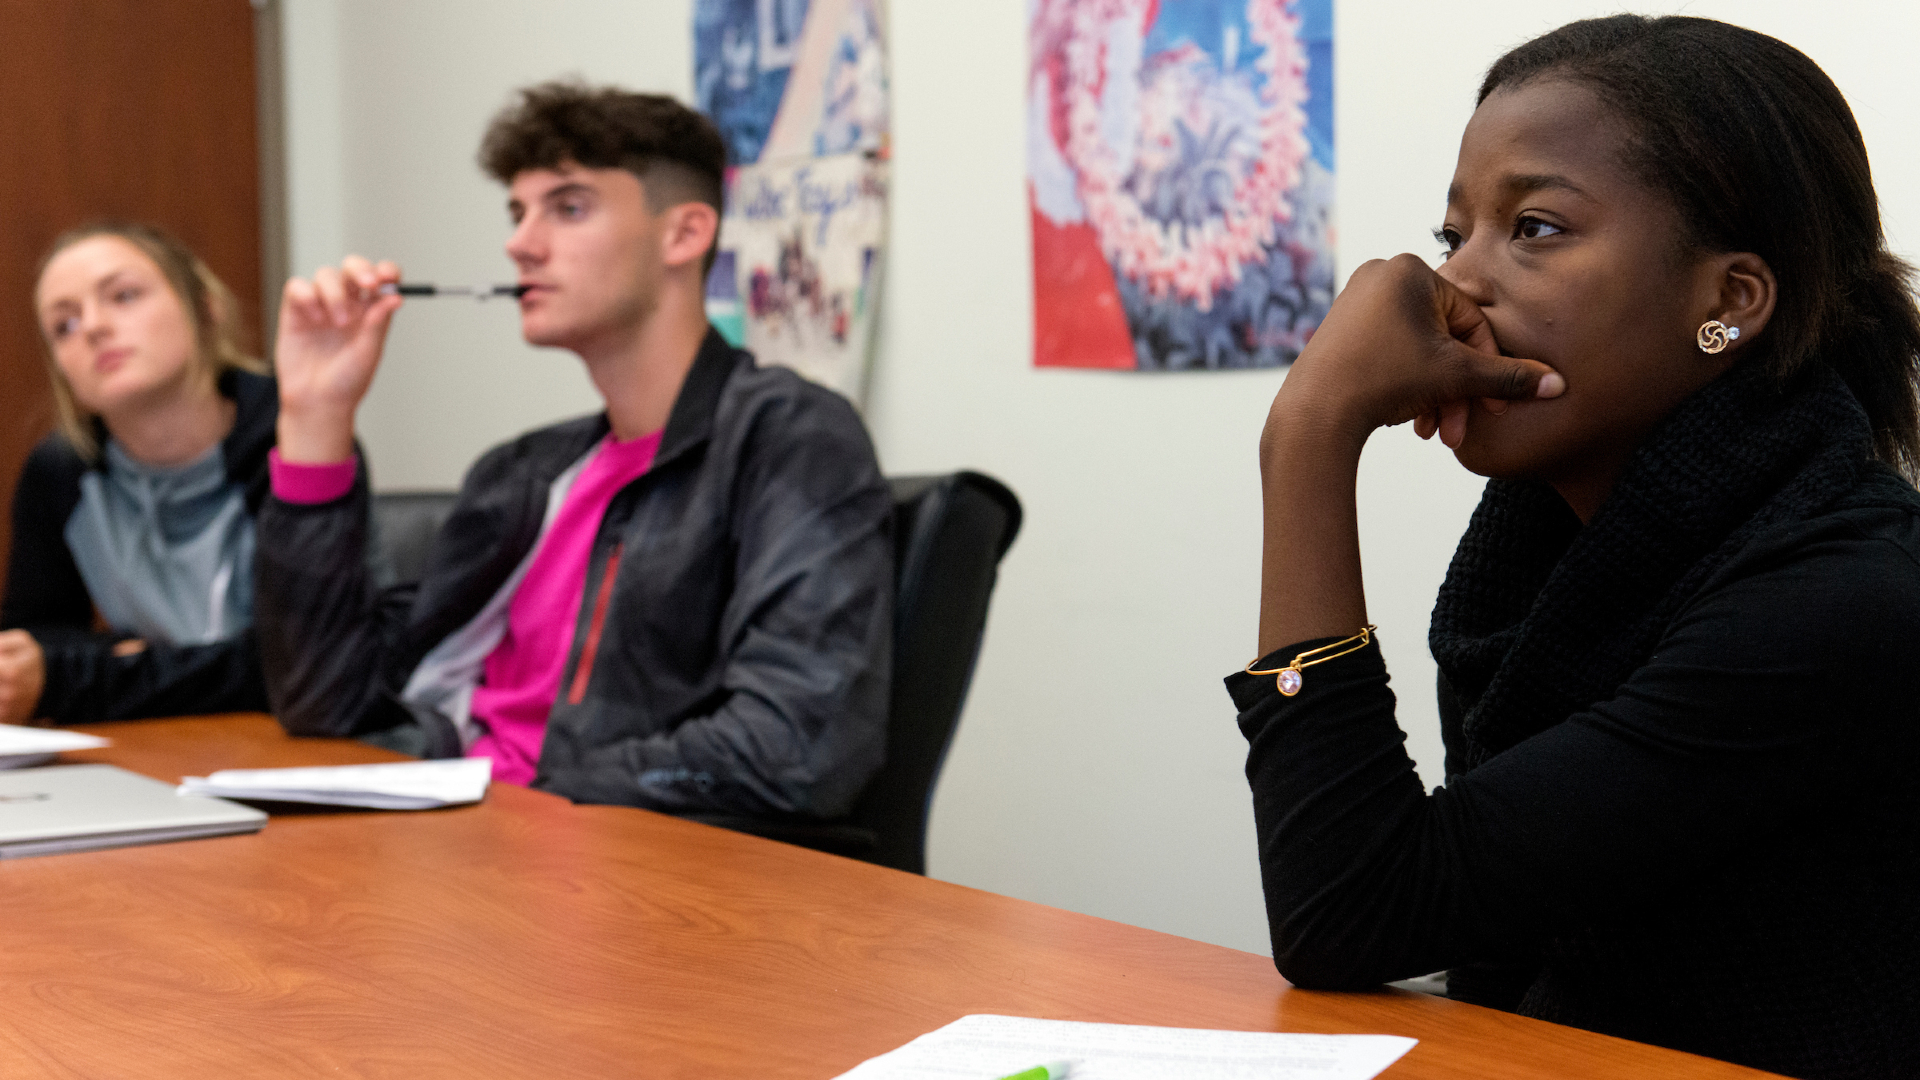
[218, 314]
[211, 308]
[1747, 292]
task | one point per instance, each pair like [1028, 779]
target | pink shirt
[521, 678]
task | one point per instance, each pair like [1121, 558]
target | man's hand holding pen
[332, 330]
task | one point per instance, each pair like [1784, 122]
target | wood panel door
[128, 109]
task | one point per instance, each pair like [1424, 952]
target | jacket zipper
[583, 670]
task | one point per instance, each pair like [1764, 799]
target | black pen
[478, 292]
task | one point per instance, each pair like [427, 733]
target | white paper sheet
[21, 746]
[399, 785]
[984, 1047]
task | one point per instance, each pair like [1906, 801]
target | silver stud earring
[1714, 335]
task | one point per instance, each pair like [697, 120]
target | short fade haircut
[677, 153]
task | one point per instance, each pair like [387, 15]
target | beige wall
[1097, 767]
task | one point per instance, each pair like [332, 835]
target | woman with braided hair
[1679, 644]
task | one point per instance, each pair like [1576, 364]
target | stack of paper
[20, 746]
[400, 785]
[986, 1047]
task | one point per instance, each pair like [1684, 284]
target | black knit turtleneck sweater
[1683, 746]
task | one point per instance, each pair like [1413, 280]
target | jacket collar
[690, 424]
[256, 400]
[256, 413]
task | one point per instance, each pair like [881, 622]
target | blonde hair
[210, 304]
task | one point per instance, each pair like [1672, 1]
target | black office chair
[404, 525]
[949, 534]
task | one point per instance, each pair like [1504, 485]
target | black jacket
[744, 659]
[47, 597]
[1681, 801]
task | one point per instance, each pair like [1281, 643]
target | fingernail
[1551, 385]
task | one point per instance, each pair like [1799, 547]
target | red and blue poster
[1180, 177]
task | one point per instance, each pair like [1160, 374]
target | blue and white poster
[798, 89]
[804, 236]
[791, 78]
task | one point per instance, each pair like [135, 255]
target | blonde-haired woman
[130, 589]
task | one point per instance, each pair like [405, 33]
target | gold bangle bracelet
[1288, 679]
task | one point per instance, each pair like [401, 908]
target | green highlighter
[1052, 1070]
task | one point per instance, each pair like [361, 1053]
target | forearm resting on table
[1310, 584]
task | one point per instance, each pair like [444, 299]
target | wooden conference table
[528, 937]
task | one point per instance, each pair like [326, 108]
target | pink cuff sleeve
[307, 484]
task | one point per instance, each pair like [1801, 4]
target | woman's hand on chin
[1403, 343]
[1399, 344]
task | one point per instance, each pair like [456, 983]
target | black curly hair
[676, 152]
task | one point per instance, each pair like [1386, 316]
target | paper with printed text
[985, 1047]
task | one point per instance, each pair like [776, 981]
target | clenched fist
[23, 673]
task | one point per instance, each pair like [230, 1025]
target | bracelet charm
[1288, 680]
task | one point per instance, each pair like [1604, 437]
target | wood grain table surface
[528, 937]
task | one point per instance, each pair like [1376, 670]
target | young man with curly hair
[683, 602]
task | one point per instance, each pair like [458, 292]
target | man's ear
[690, 231]
[1747, 292]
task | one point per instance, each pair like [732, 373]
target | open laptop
[59, 808]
